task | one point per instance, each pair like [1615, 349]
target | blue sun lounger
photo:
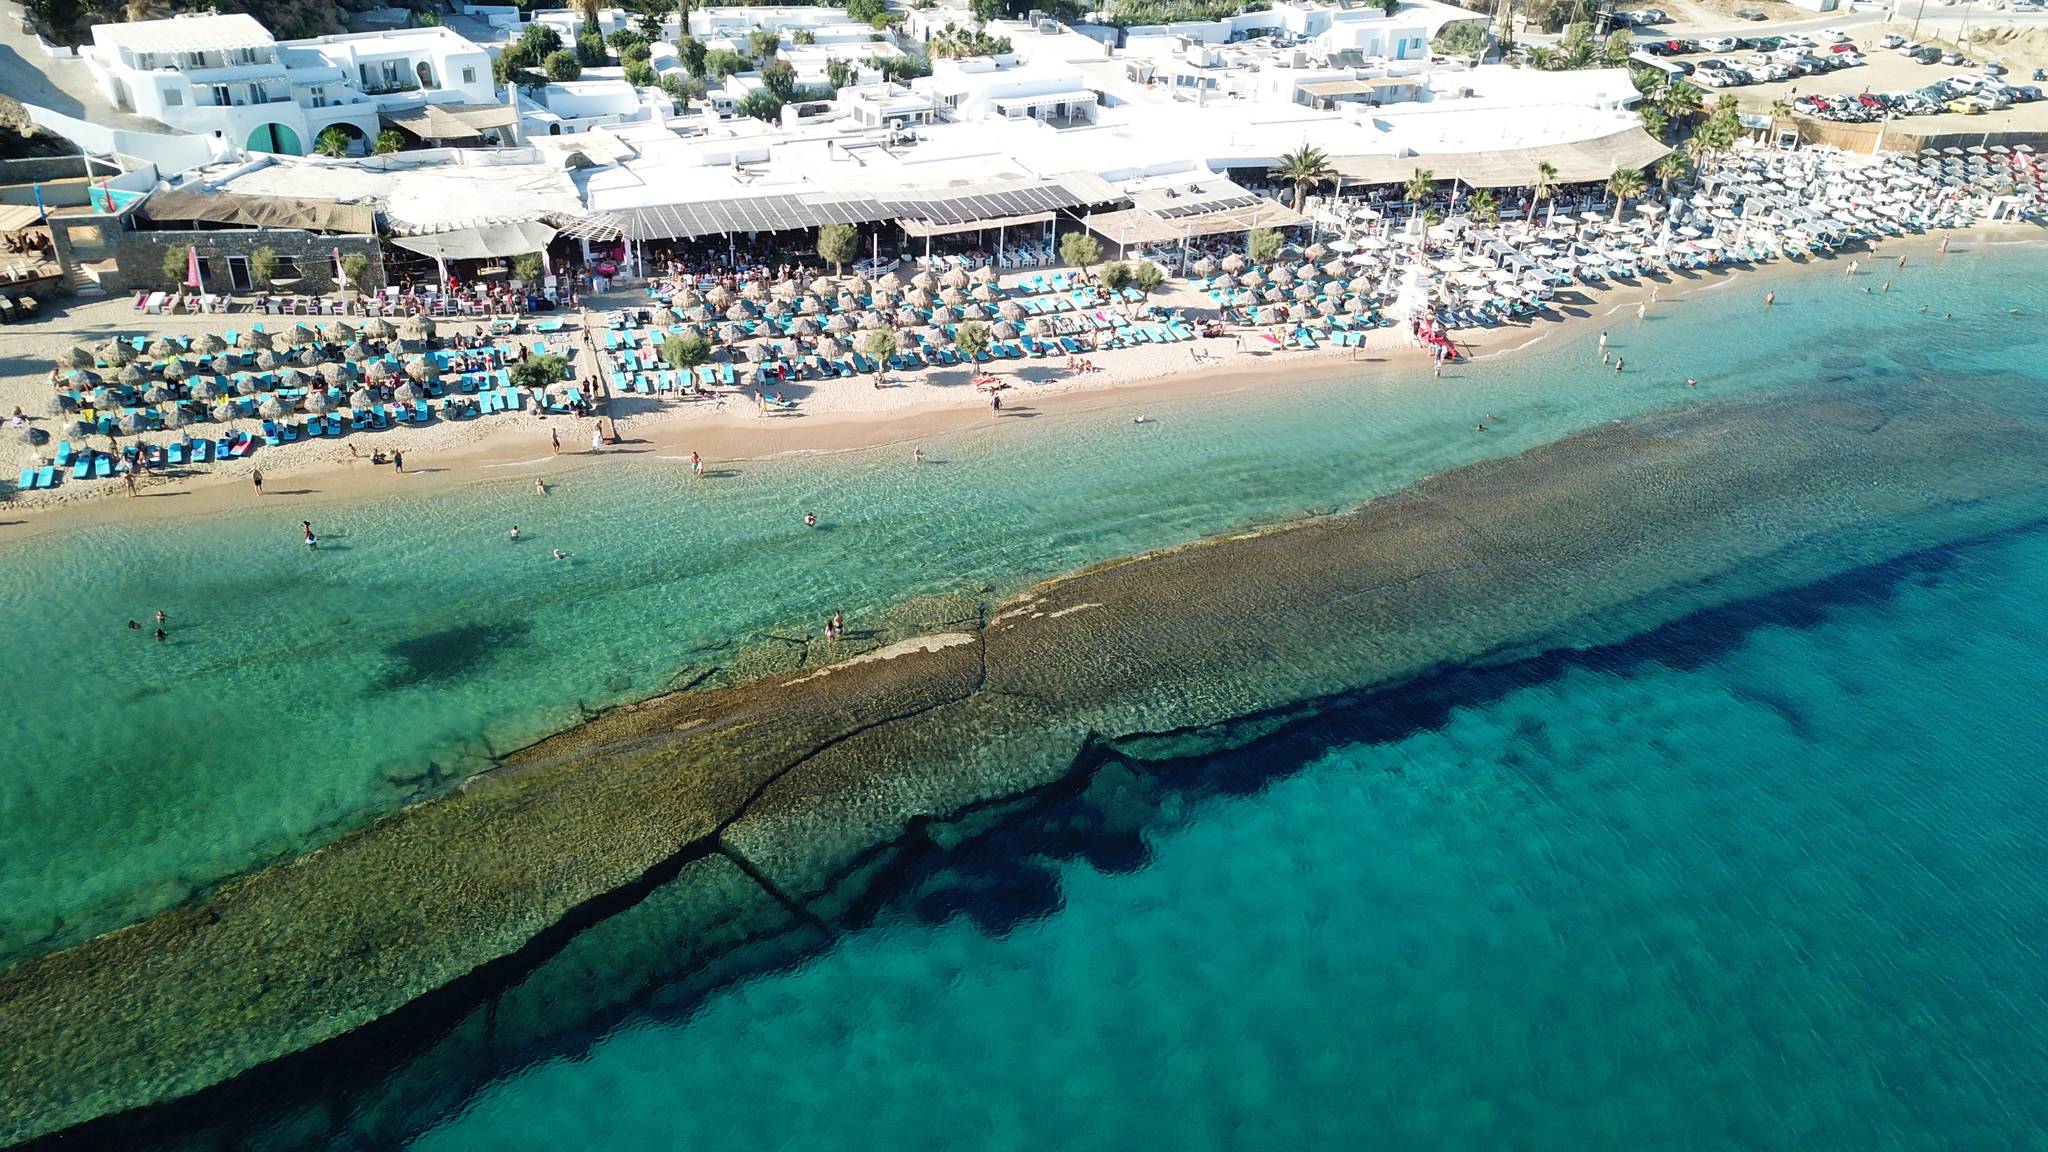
[28, 483]
[102, 467]
[82, 469]
[64, 454]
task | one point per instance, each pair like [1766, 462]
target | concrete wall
[41, 170]
[140, 256]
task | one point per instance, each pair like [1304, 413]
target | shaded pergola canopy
[920, 228]
[1578, 162]
[453, 121]
[187, 205]
[480, 241]
[1210, 207]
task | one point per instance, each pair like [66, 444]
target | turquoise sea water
[1770, 878]
[304, 692]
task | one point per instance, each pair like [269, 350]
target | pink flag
[192, 268]
[340, 273]
[547, 266]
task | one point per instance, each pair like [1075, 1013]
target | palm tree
[1781, 107]
[1483, 207]
[1626, 184]
[1671, 169]
[1543, 59]
[1421, 185]
[1680, 103]
[1305, 168]
[1654, 120]
[1541, 188]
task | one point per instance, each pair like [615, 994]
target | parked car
[1841, 46]
[1831, 35]
[1891, 42]
[1713, 78]
[1928, 55]
[1967, 105]
[1718, 44]
[1993, 68]
[1953, 58]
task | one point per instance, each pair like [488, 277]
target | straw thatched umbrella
[380, 329]
[1010, 310]
[731, 333]
[245, 384]
[336, 373]
[821, 287]
[418, 329]
[176, 370]
[204, 389]
[985, 293]
[116, 353]
[720, 298]
[1253, 279]
[319, 402]
[298, 335]
[131, 420]
[380, 370]
[919, 297]
[858, 285]
[924, 280]
[974, 312]
[1003, 330]
[223, 412]
[1281, 276]
[101, 397]
[846, 301]
[1326, 308]
[1314, 253]
[355, 353]
[1203, 266]
[1233, 263]
[871, 320]
[1334, 270]
[686, 299]
[952, 296]
[945, 315]
[954, 278]
[291, 378]
[163, 349]
[270, 407]
[134, 374]
[157, 394]
[407, 393]
[906, 317]
[266, 361]
[341, 332]
[253, 341]
[810, 306]
[1358, 305]
[1304, 292]
[805, 327]
[361, 398]
[754, 290]
[75, 357]
[210, 344]
[1361, 286]
[934, 336]
[1039, 327]
[421, 368]
[839, 324]
[702, 314]
[785, 290]
[174, 416]
[983, 275]
[737, 313]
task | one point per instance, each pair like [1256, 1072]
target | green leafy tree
[1647, 80]
[540, 372]
[1626, 184]
[1116, 276]
[985, 10]
[591, 51]
[528, 268]
[626, 39]
[803, 37]
[1147, 277]
[388, 141]
[175, 264]
[779, 77]
[764, 43]
[262, 265]
[356, 266]
[640, 74]
[562, 66]
[690, 51]
[1307, 169]
[838, 243]
[1543, 59]
[1481, 206]
[866, 11]
[650, 17]
[761, 104]
[686, 351]
[1080, 250]
[1541, 188]
[1420, 186]
[1654, 120]
[636, 54]
[838, 73]
[332, 142]
[537, 41]
[682, 89]
[1681, 103]
[427, 19]
[1263, 245]
[719, 63]
[1617, 48]
[879, 344]
[971, 339]
[1390, 6]
[1462, 38]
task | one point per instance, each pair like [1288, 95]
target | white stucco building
[225, 76]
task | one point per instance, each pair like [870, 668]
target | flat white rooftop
[186, 34]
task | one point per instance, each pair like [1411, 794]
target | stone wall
[140, 256]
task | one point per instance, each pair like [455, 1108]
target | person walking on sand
[398, 461]
[555, 437]
[256, 478]
[597, 438]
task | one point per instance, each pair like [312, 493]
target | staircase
[84, 279]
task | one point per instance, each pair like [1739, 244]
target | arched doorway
[426, 75]
[357, 139]
[278, 138]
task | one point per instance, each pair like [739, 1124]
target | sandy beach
[831, 417]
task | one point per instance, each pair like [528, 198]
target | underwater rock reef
[773, 808]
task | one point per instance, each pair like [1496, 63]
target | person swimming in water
[161, 618]
[306, 529]
[917, 454]
[561, 555]
[810, 520]
[134, 626]
[162, 635]
[514, 534]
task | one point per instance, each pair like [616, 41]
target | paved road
[61, 85]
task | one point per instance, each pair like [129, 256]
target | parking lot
[1762, 80]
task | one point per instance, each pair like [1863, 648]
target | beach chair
[46, 477]
[64, 454]
[28, 482]
[102, 467]
[174, 452]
